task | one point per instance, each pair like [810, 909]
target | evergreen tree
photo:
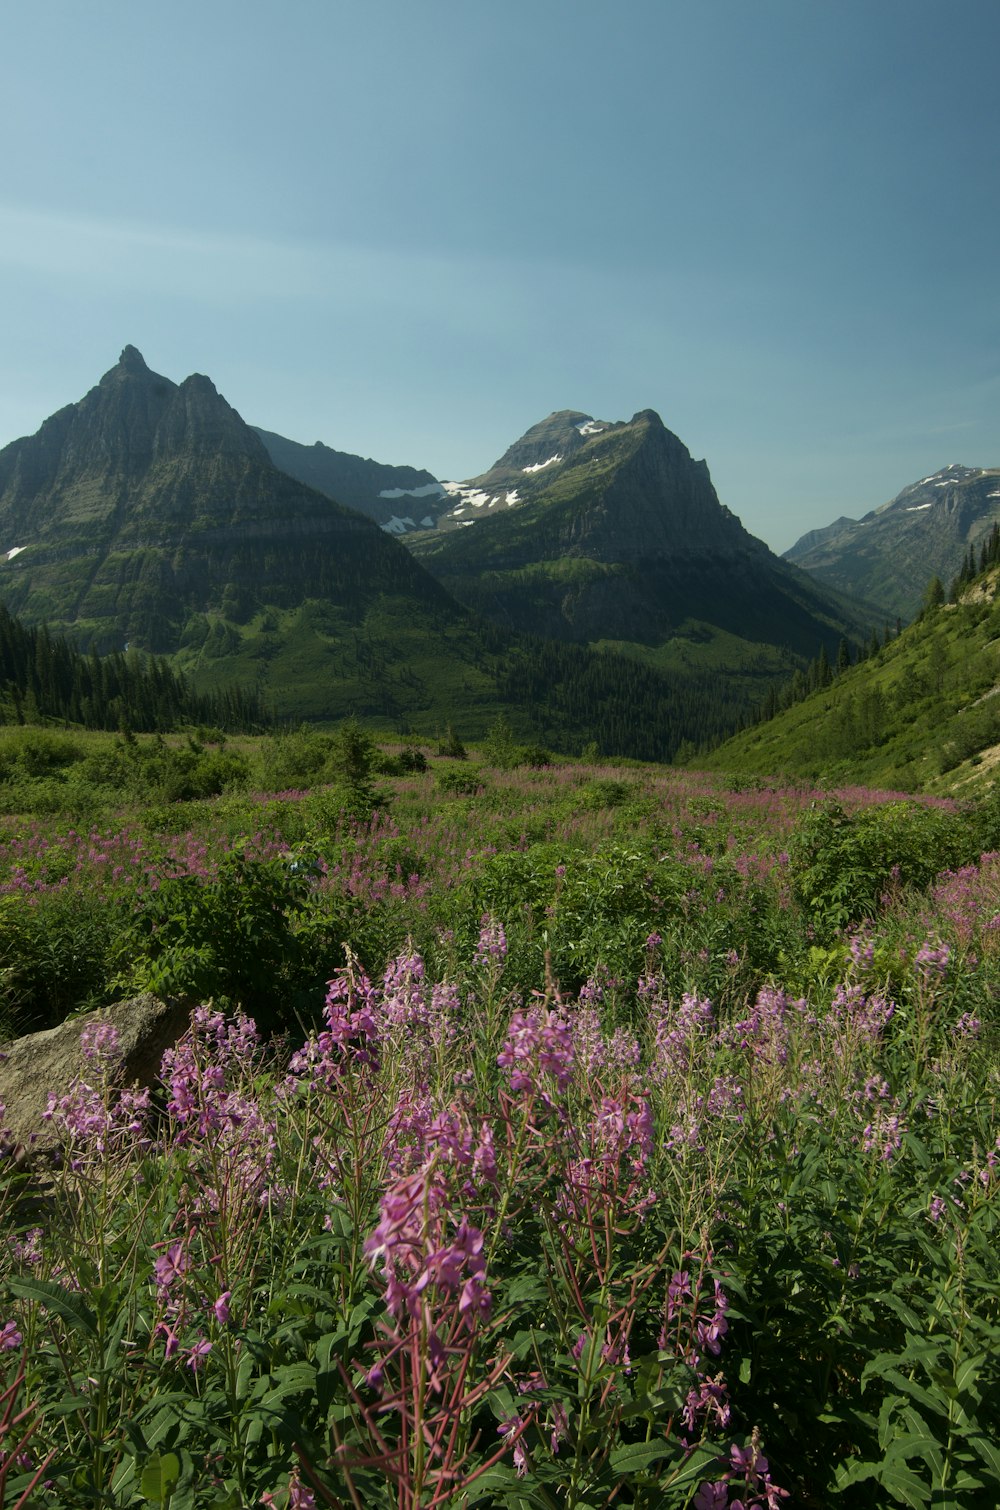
[933, 595]
[499, 749]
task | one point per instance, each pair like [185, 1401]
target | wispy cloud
[128, 256]
[120, 256]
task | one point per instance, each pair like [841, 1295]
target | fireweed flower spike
[539, 1044]
[492, 946]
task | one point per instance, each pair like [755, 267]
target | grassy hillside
[921, 715]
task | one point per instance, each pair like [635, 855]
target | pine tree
[933, 595]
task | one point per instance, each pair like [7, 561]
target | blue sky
[411, 230]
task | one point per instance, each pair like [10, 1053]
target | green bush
[256, 936]
[464, 782]
[843, 864]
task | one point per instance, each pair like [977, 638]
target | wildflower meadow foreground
[658, 1173]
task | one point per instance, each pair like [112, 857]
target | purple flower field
[594, 1145]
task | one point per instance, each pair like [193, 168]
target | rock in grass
[38, 1064]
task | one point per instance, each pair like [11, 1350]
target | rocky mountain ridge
[397, 498]
[149, 515]
[890, 555]
[616, 535]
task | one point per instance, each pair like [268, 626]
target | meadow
[545, 1135]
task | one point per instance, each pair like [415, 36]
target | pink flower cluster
[539, 1049]
[428, 1261]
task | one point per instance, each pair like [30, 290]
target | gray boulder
[39, 1063]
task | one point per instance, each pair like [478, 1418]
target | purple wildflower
[10, 1337]
[492, 946]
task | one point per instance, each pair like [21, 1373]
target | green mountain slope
[923, 714]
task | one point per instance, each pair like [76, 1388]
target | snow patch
[399, 526]
[429, 490]
[989, 495]
[540, 466]
[513, 498]
[590, 428]
[916, 507]
[16, 550]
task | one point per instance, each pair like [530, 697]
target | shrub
[843, 864]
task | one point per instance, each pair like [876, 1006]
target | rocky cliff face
[149, 501]
[891, 554]
[657, 501]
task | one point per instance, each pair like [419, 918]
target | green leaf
[524, 1287]
[967, 1371]
[138, 1445]
[697, 1465]
[917, 1442]
[987, 1451]
[901, 1482]
[160, 1477]
[633, 1457]
[55, 1298]
[68, 1406]
[886, 1366]
[904, 1485]
[289, 1379]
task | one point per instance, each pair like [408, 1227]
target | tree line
[43, 676]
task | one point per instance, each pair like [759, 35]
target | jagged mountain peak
[131, 368]
[572, 459]
[552, 439]
[148, 511]
[610, 532]
[132, 360]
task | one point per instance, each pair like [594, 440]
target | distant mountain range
[149, 515]
[398, 498]
[598, 532]
[891, 555]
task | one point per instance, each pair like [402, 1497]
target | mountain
[921, 714]
[608, 533]
[397, 498]
[890, 555]
[149, 515]
[148, 510]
